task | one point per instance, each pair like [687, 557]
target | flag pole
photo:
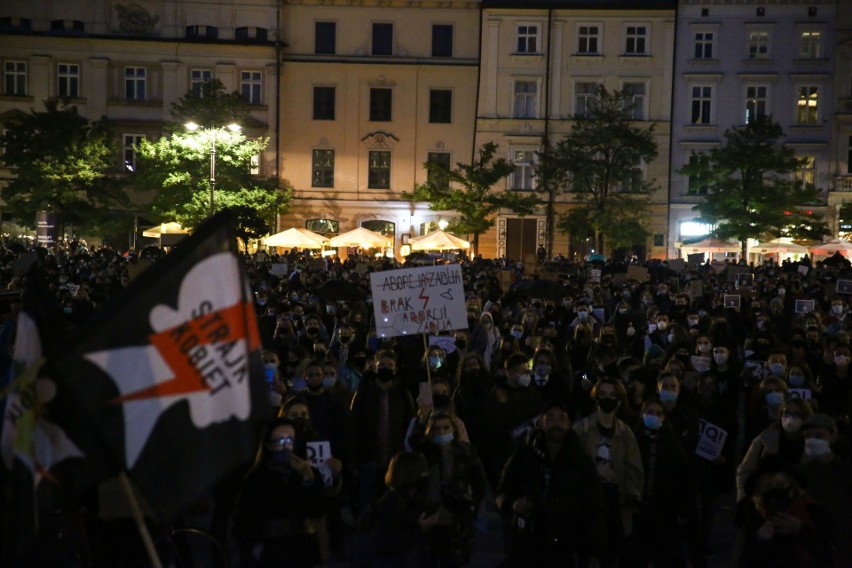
[140, 521]
[426, 353]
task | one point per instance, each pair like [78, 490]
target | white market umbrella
[713, 245]
[360, 237]
[438, 240]
[831, 247]
[165, 229]
[779, 246]
[296, 238]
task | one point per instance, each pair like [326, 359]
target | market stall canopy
[780, 246]
[360, 237]
[712, 245]
[831, 247]
[165, 229]
[438, 240]
[296, 238]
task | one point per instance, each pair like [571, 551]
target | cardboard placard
[594, 274]
[804, 306]
[638, 273]
[677, 264]
[732, 300]
[318, 455]
[426, 299]
[279, 269]
[711, 440]
[744, 280]
[803, 270]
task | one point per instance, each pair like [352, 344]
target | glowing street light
[192, 127]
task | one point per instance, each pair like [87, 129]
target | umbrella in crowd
[712, 245]
[360, 237]
[339, 291]
[545, 289]
[438, 240]
[296, 238]
[158, 231]
[831, 247]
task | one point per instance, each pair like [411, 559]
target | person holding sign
[667, 496]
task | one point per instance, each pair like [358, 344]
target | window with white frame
[756, 101]
[809, 45]
[68, 80]
[807, 105]
[527, 37]
[526, 99]
[585, 97]
[636, 40]
[523, 176]
[15, 78]
[251, 87]
[703, 45]
[702, 104]
[134, 83]
[197, 79]
[129, 143]
[588, 38]
[634, 100]
[806, 172]
[758, 44]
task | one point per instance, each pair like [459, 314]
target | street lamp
[192, 127]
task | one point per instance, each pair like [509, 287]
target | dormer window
[202, 32]
[15, 24]
[251, 33]
[67, 26]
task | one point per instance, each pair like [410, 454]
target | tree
[61, 161]
[599, 161]
[751, 186]
[177, 167]
[468, 189]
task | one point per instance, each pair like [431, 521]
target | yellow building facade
[540, 67]
[372, 91]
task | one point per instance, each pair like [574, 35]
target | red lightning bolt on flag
[424, 297]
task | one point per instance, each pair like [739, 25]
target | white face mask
[837, 310]
[841, 360]
[662, 325]
[720, 358]
[814, 447]
[791, 424]
[524, 380]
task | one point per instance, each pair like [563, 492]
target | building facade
[736, 60]
[373, 90]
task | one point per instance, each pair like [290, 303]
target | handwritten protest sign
[711, 440]
[803, 270]
[638, 273]
[594, 274]
[804, 306]
[844, 287]
[427, 299]
[318, 455]
[700, 363]
[279, 269]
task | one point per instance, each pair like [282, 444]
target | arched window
[325, 227]
[385, 228]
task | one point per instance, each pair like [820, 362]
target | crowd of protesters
[575, 409]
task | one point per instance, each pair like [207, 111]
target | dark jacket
[365, 415]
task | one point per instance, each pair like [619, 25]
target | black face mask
[300, 423]
[607, 405]
[312, 330]
[470, 375]
[359, 362]
[386, 375]
[441, 400]
[281, 457]
[461, 343]
[777, 500]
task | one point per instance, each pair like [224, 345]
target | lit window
[755, 102]
[323, 168]
[129, 143]
[809, 45]
[806, 172]
[523, 176]
[807, 105]
[702, 100]
[378, 174]
[758, 45]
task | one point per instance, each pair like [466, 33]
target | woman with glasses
[280, 494]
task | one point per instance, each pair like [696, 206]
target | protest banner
[426, 299]
[711, 440]
[804, 306]
[594, 275]
[279, 269]
[732, 300]
[803, 270]
[318, 454]
[700, 364]
[844, 287]
[638, 273]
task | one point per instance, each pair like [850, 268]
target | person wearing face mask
[660, 334]
[727, 373]
[547, 379]
[329, 416]
[485, 338]
[783, 439]
[510, 404]
[469, 399]
[461, 341]
[280, 496]
[611, 444]
[313, 332]
[838, 317]
[379, 416]
[455, 489]
[667, 495]
[828, 479]
[549, 497]
[583, 314]
[836, 379]
[441, 400]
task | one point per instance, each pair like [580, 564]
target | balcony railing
[843, 183]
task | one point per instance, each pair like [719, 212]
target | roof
[583, 4]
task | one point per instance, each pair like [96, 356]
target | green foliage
[210, 107]
[625, 222]
[62, 161]
[468, 189]
[751, 186]
[177, 168]
[599, 162]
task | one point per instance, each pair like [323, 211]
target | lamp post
[192, 127]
